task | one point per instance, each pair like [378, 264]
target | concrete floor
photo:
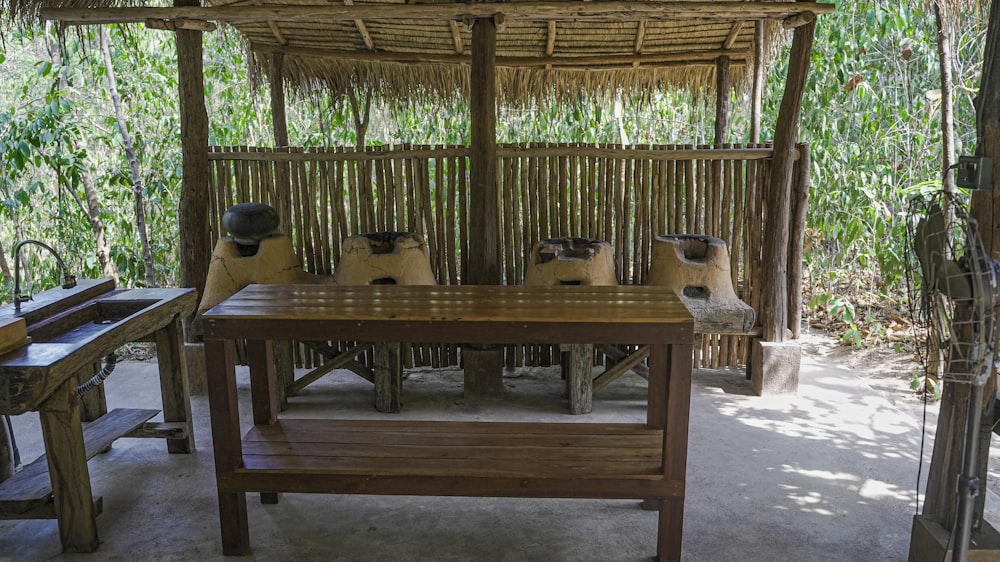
[827, 474]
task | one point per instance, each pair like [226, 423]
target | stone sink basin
[87, 321]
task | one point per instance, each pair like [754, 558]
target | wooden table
[71, 331]
[442, 458]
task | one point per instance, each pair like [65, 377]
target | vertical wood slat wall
[626, 195]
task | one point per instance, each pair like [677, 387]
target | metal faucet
[69, 281]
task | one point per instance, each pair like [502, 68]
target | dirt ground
[889, 372]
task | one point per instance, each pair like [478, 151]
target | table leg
[220, 361]
[265, 384]
[670, 368]
[174, 386]
[66, 455]
[284, 369]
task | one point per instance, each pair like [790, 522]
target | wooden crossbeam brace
[345, 359]
[362, 29]
[180, 23]
[456, 35]
[734, 33]
[273, 26]
[640, 37]
[798, 20]
[550, 42]
[792, 13]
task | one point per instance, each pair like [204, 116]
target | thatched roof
[402, 49]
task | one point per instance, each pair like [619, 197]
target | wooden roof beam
[180, 23]
[708, 57]
[273, 25]
[596, 11]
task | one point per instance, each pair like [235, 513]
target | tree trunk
[5, 274]
[361, 116]
[140, 210]
[93, 207]
[947, 118]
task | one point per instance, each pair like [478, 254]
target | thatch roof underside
[545, 49]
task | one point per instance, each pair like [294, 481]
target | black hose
[13, 443]
[95, 381]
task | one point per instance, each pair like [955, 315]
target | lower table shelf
[553, 460]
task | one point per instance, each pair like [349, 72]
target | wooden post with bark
[722, 87]
[939, 510]
[774, 283]
[192, 212]
[986, 211]
[284, 360]
[483, 363]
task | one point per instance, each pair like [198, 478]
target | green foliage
[872, 116]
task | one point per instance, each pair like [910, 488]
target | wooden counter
[71, 331]
[522, 459]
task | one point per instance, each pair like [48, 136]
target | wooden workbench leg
[67, 460]
[580, 378]
[220, 361]
[174, 386]
[388, 376]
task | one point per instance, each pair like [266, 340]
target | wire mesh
[957, 283]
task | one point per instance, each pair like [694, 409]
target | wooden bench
[516, 459]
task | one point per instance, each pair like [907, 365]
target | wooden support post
[988, 125]
[482, 377]
[774, 270]
[757, 103]
[580, 378]
[277, 85]
[284, 360]
[67, 460]
[722, 87]
[800, 210]
[192, 212]
[388, 377]
[484, 197]
[986, 212]
[174, 386]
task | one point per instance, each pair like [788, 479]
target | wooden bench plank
[30, 487]
[287, 480]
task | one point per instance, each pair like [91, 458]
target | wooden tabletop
[311, 308]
